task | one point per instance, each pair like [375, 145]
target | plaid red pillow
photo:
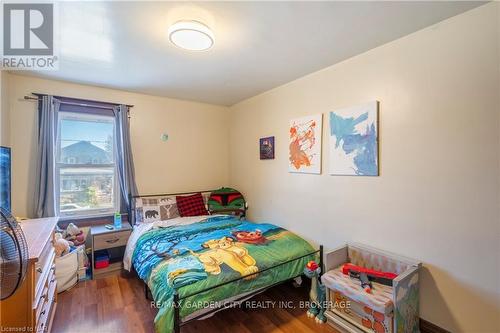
[191, 205]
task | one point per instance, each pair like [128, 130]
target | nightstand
[112, 241]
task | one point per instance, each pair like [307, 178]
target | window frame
[58, 166]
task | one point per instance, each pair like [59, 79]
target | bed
[196, 266]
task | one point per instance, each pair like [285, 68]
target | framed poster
[266, 148]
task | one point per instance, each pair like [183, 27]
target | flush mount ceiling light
[191, 35]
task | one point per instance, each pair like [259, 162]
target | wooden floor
[116, 304]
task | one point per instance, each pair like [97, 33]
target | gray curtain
[45, 188]
[123, 156]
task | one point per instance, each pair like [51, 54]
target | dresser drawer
[115, 239]
[42, 274]
[42, 287]
[42, 324]
[45, 258]
[46, 306]
[44, 298]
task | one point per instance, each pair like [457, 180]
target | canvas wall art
[354, 140]
[266, 146]
[305, 144]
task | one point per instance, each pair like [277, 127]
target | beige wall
[437, 195]
[4, 110]
[194, 158]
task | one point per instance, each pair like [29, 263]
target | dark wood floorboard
[116, 303]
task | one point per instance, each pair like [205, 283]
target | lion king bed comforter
[193, 257]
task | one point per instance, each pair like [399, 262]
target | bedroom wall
[437, 195]
[194, 158]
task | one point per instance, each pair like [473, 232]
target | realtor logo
[28, 36]
[28, 29]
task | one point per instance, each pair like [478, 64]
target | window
[85, 166]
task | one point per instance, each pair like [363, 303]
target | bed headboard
[165, 204]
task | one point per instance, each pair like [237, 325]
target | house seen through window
[86, 168]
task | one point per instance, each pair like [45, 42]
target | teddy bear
[74, 235]
[61, 246]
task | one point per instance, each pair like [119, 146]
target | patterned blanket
[193, 257]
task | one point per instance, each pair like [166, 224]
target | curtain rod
[38, 96]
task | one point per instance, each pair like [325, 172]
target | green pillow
[227, 201]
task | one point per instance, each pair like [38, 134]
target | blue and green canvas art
[354, 140]
[5, 178]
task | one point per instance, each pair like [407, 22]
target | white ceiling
[259, 45]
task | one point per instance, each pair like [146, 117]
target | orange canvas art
[305, 144]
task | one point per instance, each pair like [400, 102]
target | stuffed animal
[61, 246]
[74, 235]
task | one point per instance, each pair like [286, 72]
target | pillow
[191, 205]
[226, 201]
[149, 210]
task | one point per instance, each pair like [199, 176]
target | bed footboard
[178, 323]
